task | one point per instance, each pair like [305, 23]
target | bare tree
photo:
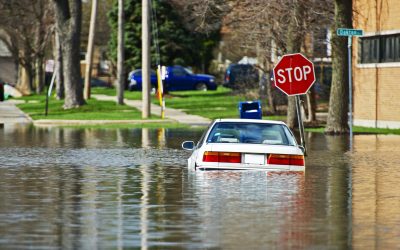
[68, 23]
[58, 62]
[27, 28]
[263, 28]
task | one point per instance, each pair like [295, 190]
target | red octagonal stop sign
[294, 74]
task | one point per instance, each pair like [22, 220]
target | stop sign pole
[294, 75]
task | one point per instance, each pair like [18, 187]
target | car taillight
[227, 78]
[280, 159]
[222, 157]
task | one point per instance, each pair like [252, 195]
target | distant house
[8, 67]
[376, 65]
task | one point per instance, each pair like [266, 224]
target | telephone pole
[145, 59]
[121, 55]
[89, 54]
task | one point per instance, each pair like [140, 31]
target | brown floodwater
[130, 188]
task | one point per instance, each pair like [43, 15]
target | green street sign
[349, 32]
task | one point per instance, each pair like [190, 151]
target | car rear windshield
[255, 133]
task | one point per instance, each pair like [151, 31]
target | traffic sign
[349, 32]
[294, 74]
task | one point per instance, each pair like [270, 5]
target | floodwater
[64, 188]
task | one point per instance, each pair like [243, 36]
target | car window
[257, 133]
[188, 71]
[203, 136]
[178, 72]
[139, 73]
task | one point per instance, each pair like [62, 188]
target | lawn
[131, 95]
[94, 110]
[221, 103]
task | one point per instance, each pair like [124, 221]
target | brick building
[376, 67]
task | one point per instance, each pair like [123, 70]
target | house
[376, 67]
[8, 66]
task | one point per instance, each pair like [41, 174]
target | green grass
[93, 110]
[131, 95]
[221, 103]
[362, 130]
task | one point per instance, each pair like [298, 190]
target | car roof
[250, 121]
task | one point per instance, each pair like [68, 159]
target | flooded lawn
[130, 188]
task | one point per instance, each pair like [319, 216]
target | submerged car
[246, 144]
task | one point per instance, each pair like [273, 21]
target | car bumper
[251, 167]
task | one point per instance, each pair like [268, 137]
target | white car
[246, 144]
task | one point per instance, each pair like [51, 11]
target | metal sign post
[350, 33]
[50, 88]
[349, 42]
[294, 75]
[301, 125]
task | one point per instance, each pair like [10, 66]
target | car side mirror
[188, 145]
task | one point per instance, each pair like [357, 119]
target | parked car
[176, 78]
[135, 79]
[246, 144]
[241, 76]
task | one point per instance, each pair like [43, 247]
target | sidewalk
[10, 114]
[173, 114]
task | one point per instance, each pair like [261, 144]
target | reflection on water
[92, 188]
[376, 199]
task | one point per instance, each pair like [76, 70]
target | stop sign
[294, 74]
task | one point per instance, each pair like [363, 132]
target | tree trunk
[311, 106]
[58, 67]
[338, 101]
[24, 80]
[68, 22]
[39, 78]
[293, 45]
[270, 97]
[121, 55]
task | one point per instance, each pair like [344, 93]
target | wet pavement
[10, 114]
[130, 188]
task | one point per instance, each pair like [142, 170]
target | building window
[380, 49]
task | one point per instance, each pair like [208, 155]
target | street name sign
[349, 32]
[294, 74]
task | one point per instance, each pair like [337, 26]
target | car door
[179, 79]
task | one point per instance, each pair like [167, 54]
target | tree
[27, 28]
[266, 29]
[338, 101]
[68, 24]
[177, 44]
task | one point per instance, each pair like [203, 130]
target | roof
[249, 121]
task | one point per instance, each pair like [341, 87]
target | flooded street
[130, 188]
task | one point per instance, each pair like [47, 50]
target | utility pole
[89, 53]
[121, 55]
[145, 59]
